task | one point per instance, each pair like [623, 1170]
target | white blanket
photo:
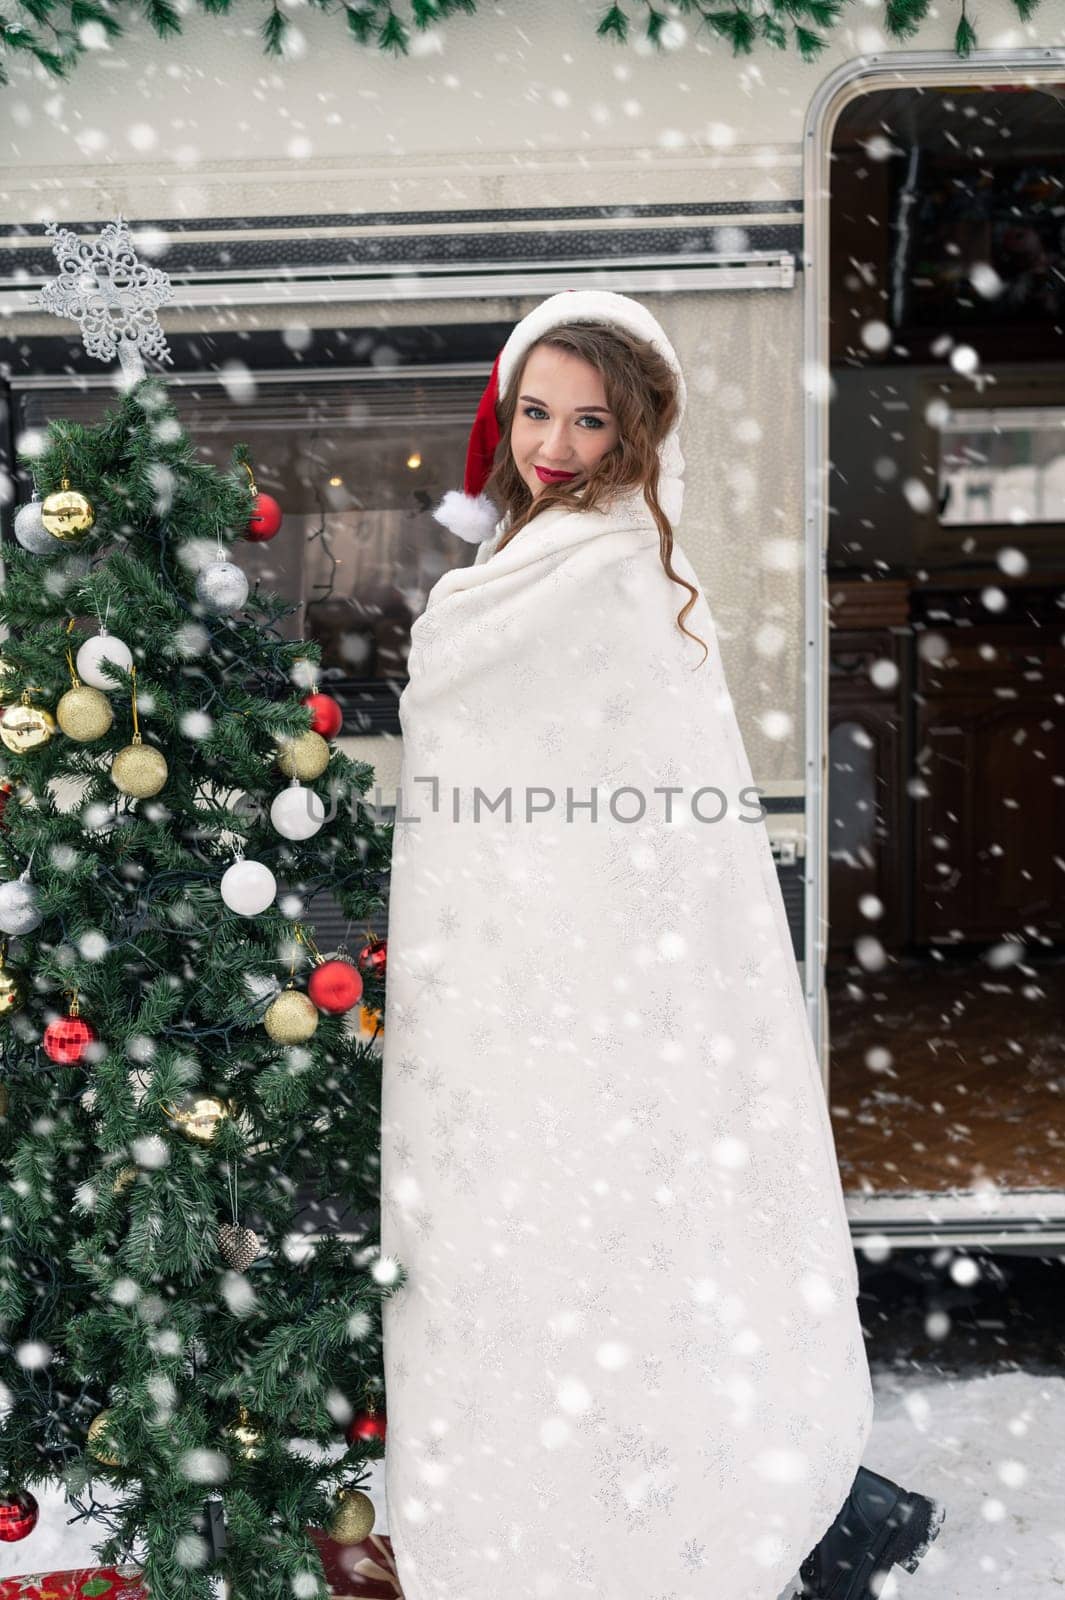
[627, 1363]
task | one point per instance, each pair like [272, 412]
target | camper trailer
[861, 262]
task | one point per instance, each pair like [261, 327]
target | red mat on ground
[366, 1570]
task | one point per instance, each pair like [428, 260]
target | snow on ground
[991, 1448]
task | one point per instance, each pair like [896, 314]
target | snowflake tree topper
[111, 295]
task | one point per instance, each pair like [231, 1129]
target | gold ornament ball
[100, 1445]
[198, 1116]
[305, 757]
[25, 727]
[84, 713]
[11, 995]
[353, 1519]
[247, 1439]
[67, 514]
[139, 770]
[291, 1018]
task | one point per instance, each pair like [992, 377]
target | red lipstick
[545, 476]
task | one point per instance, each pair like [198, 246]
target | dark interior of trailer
[945, 972]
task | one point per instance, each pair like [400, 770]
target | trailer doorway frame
[920, 1220]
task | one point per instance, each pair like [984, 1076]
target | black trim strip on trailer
[409, 219]
[452, 252]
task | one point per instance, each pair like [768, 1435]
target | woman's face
[562, 424]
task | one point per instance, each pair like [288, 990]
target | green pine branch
[48, 31]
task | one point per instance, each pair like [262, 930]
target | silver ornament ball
[221, 586]
[31, 532]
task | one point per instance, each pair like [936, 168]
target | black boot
[878, 1526]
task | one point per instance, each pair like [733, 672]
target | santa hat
[469, 512]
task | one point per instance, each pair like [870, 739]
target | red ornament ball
[18, 1515]
[67, 1039]
[335, 987]
[327, 718]
[366, 1427]
[373, 958]
[7, 789]
[265, 520]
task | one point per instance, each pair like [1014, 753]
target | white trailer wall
[520, 106]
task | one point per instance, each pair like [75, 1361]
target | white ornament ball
[18, 907]
[221, 586]
[31, 532]
[297, 813]
[248, 887]
[95, 651]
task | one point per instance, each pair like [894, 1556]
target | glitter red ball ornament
[373, 957]
[365, 1427]
[18, 1515]
[335, 987]
[327, 718]
[265, 519]
[67, 1039]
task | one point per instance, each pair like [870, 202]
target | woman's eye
[597, 420]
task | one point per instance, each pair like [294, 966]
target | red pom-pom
[327, 717]
[265, 520]
[366, 1427]
[373, 958]
[67, 1039]
[335, 987]
[18, 1515]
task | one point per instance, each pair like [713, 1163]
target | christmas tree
[182, 1069]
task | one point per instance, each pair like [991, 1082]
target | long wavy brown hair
[642, 393]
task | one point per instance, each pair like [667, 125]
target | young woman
[626, 1360]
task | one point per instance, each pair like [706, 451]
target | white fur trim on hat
[588, 305]
[472, 517]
